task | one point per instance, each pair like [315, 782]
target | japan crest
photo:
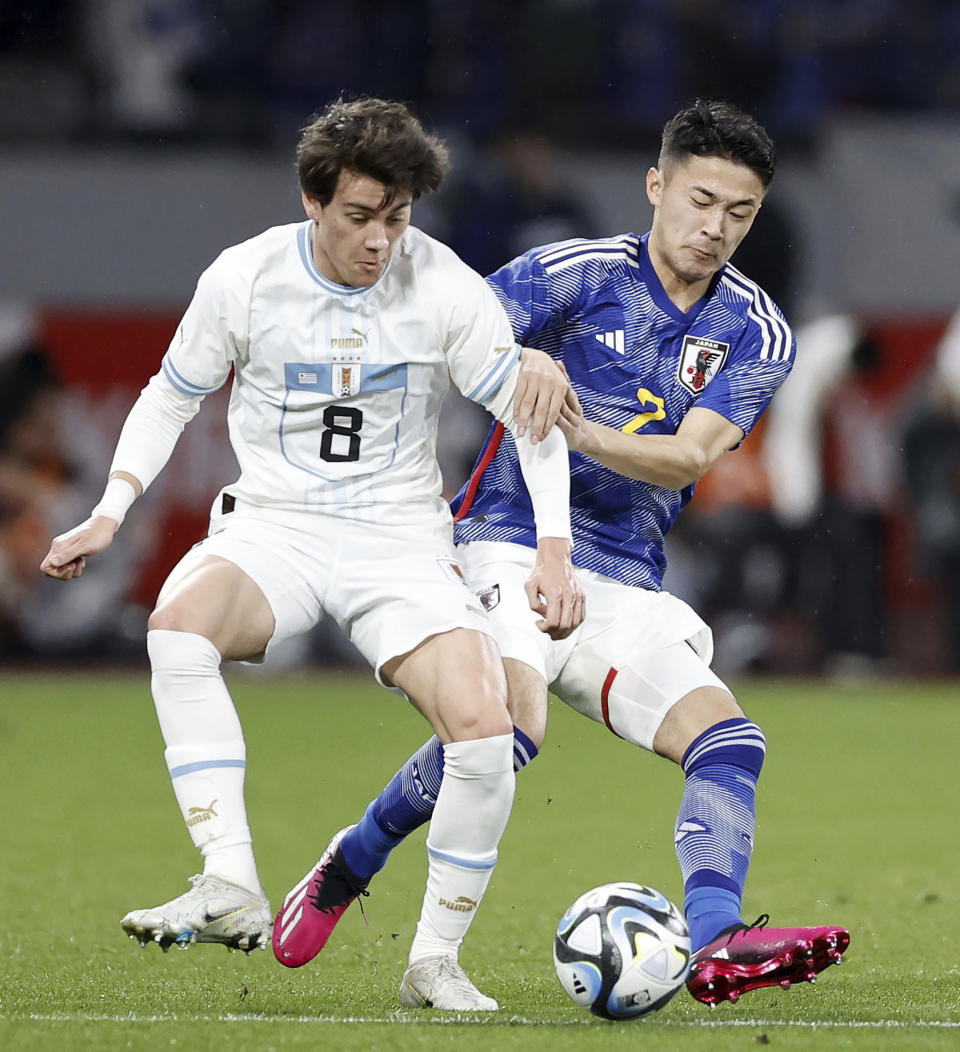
[700, 361]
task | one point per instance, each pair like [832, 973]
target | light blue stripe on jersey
[204, 765]
[490, 384]
[308, 376]
[318, 376]
[383, 377]
[181, 383]
[310, 265]
[463, 863]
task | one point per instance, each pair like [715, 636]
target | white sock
[471, 813]
[205, 754]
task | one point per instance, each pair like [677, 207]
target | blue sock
[715, 826]
[406, 803]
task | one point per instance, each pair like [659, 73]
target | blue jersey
[637, 363]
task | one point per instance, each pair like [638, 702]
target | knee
[170, 617]
[691, 717]
[174, 651]
[487, 714]
[737, 742]
[478, 713]
[489, 720]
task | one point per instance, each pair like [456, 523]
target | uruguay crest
[345, 375]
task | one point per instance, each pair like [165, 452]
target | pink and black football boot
[748, 957]
[311, 910]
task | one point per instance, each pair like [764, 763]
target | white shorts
[389, 588]
[636, 654]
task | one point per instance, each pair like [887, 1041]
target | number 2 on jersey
[645, 397]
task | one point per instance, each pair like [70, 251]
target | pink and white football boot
[311, 910]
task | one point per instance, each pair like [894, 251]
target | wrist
[589, 439]
[554, 547]
[116, 501]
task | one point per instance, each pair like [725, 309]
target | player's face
[702, 211]
[354, 234]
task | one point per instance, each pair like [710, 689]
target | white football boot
[440, 982]
[214, 910]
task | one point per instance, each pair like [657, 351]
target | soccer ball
[622, 950]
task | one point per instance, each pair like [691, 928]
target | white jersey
[337, 390]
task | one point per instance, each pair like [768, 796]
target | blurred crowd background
[140, 137]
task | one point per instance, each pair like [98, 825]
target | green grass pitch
[857, 825]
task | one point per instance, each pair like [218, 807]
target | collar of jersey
[310, 266]
[660, 297]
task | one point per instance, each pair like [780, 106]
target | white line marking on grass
[485, 1020]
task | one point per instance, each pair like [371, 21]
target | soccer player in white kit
[343, 334]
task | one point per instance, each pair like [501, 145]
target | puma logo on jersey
[614, 340]
[350, 343]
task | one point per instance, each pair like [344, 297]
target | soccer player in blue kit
[672, 356]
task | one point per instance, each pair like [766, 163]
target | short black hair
[718, 129]
[374, 137]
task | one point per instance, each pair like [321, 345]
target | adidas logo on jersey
[614, 340]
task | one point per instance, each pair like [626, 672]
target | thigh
[397, 588]
[249, 585]
[456, 681]
[641, 654]
[214, 598]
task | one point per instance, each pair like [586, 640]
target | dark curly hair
[374, 137]
[718, 129]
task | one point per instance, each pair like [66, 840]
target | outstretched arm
[197, 362]
[673, 461]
